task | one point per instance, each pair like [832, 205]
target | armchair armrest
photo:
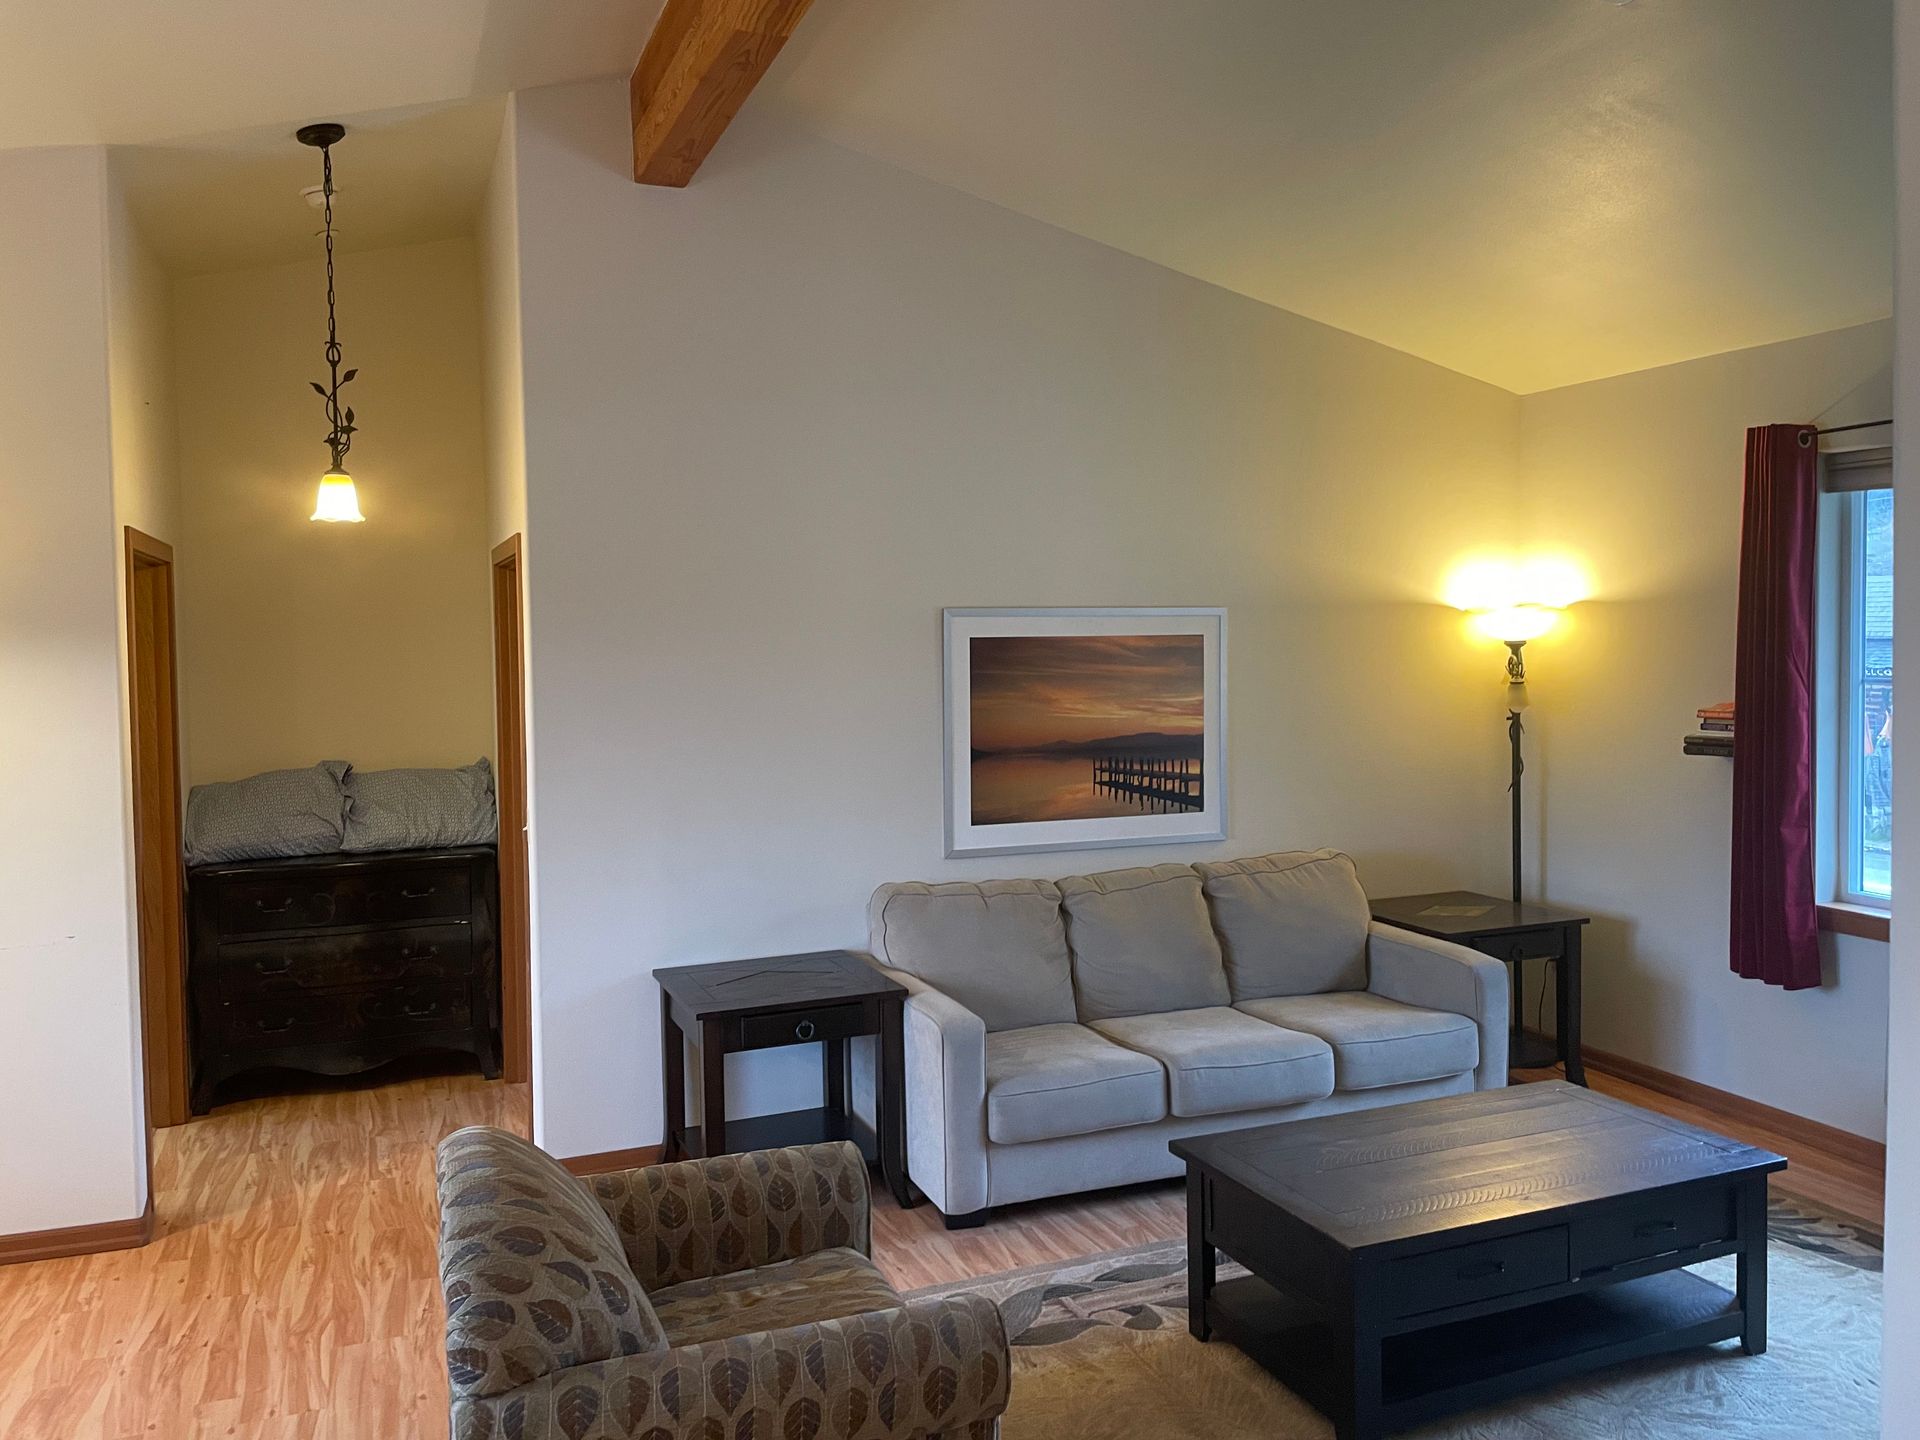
[696, 1219]
[927, 1367]
[946, 1082]
[1439, 975]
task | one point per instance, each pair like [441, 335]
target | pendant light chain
[336, 441]
[340, 426]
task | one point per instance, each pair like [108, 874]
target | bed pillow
[279, 815]
[420, 809]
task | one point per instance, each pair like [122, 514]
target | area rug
[1101, 1352]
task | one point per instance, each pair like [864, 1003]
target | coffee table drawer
[1481, 1271]
[1653, 1225]
[797, 1027]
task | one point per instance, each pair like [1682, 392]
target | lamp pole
[1516, 701]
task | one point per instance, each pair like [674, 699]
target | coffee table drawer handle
[804, 1030]
[1648, 1229]
[1481, 1270]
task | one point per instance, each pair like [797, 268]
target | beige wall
[303, 641]
[1641, 476]
[776, 421]
[72, 1131]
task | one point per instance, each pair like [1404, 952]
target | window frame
[1846, 476]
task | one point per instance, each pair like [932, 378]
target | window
[1858, 763]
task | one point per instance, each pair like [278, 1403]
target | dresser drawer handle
[420, 1011]
[1481, 1270]
[419, 952]
[266, 1029]
[407, 894]
[280, 909]
[278, 965]
[1646, 1230]
[804, 1030]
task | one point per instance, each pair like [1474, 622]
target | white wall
[1642, 476]
[776, 421]
[1900, 1365]
[301, 641]
[72, 1131]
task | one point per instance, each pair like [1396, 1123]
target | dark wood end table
[826, 997]
[1516, 933]
[1421, 1259]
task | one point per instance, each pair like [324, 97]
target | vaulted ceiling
[1535, 192]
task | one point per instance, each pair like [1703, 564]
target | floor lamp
[1513, 626]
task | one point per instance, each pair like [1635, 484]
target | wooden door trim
[508, 597]
[159, 874]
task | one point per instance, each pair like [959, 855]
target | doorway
[510, 748]
[154, 711]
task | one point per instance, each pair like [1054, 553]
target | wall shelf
[1721, 745]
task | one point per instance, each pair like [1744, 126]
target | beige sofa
[1060, 1032]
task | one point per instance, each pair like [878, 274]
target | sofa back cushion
[535, 1276]
[1294, 923]
[1141, 943]
[996, 946]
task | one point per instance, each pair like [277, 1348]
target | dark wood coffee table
[1420, 1259]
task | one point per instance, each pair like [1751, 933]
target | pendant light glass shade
[337, 500]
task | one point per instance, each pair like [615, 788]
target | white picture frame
[1161, 788]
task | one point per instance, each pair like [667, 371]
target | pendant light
[337, 500]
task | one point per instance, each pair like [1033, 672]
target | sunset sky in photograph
[1030, 691]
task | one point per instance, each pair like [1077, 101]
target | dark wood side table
[1516, 933]
[827, 998]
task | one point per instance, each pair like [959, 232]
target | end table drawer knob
[805, 1030]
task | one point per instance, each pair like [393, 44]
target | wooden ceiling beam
[699, 66]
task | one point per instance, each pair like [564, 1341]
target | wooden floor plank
[291, 1290]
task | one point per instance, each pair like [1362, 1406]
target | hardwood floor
[292, 1290]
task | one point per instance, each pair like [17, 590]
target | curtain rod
[1863, 425]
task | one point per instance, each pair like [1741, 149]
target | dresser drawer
[303, 902]
[797, 1027]
[1481, 1271]
[1545, 944]
[266, 968]
[314, 1019]
[1653, 1225]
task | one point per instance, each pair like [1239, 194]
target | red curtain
[1775, 929]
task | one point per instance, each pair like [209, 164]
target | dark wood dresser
[339, 963]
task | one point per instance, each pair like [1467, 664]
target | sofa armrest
[946, 1075]
[1439, 975]
[700, 1218]
[926, 1367]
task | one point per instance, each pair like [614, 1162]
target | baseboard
[1843, 1144]
[78, 1239]
[605, 1162]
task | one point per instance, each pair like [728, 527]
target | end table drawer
[1548, 944]
[1481, 1271]
[1653, 1225]
[799, 1027]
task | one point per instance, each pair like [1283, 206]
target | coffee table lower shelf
[1457, 1365]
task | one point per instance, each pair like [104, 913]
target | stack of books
[1715, 736]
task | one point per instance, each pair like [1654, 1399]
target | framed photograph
[1076, 729]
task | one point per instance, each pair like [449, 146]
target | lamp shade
[1513, 623]
[337, 500]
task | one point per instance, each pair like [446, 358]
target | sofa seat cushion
[998, 947]
[1142, 943]
[1294, 923]
[822, 1286]
[1219, 1060]
[1377, 1041]
[1051, 1080]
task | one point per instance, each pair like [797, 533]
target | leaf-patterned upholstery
[536, 1279]
[701, 1218]
[778, 1241]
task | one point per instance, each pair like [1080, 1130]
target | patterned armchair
[725, 1299]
